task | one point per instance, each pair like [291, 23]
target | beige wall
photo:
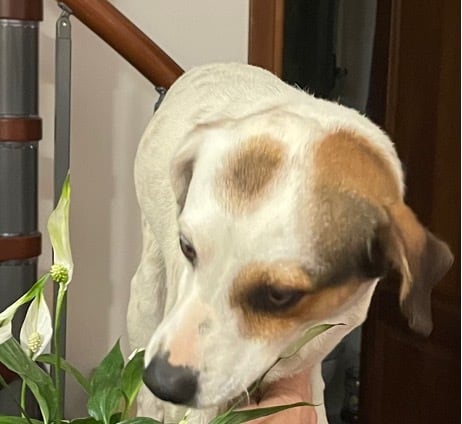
[111, 105]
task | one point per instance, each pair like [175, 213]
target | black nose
[176, 384]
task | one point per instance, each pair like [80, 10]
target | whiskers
[245, 395]
[243, 400]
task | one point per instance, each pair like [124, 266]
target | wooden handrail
[127, 39]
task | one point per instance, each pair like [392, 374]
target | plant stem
[23, 397]
[57, 343]
[126, 409]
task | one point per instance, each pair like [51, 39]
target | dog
[265, 211]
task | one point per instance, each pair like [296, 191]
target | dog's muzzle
[176, 384]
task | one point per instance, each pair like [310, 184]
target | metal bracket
[162, 92]
[65, 8]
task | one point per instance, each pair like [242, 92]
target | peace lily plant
[114, 385]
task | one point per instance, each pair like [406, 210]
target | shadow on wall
[93, 81]
[105, 128]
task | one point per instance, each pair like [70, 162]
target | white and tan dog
[265, 211]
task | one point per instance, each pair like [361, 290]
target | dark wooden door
[415, 94]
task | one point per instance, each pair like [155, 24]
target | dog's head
[282, 225]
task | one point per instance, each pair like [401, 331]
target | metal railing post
[62, 145]
[20, 131]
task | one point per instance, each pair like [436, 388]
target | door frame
[266, 34]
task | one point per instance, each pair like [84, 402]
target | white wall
[111, 105]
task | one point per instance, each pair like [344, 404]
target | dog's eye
[271, 299]
[188, 250]
[280, 297]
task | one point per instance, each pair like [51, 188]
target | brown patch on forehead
[315, 304]
[248, 172]
[348, 162]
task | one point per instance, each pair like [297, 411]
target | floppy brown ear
[422, 261]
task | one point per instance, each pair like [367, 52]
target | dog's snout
[176, 384]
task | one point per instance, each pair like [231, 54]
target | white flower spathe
[36, 330]
[7, 315]
[58, 230]
[5, 332]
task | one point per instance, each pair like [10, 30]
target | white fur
[206, 113]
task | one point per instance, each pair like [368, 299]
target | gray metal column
[63, 50]
[20, 130]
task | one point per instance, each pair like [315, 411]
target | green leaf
[18, 420]
[87, 420]
[115, 419]
[49, 359]
[38, 381]
[309, 335]
[238, 417]
[132, 378]
[106, 386]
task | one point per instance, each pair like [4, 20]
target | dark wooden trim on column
[266, 34]
[27, 10]
[20, 129]
[20, 247]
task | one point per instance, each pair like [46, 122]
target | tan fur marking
[183, 350]
[409, 243]
[348, 162]
[248, 172]
[313, 306]
[282, 273]
[184, 345]
[348, 184]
